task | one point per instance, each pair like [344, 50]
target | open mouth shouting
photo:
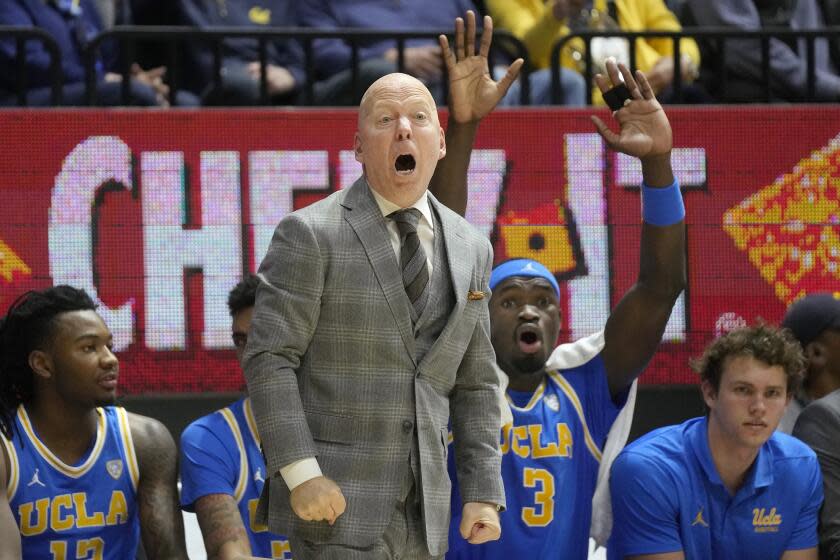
[405, 164]
[529, 338]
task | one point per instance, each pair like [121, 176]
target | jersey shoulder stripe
[14, 468]
[128, 445]
[251, 422]
[570, 393]
[241, 482]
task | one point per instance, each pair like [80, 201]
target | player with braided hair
[83, 478]
[22, 330]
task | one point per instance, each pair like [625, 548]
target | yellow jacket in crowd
[533, 22]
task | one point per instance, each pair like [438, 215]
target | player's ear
[41, 363]
[709, 393]
[816, 354]
[357, 148]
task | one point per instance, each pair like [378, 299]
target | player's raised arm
[636, 325]
[9, 533]
[472, 95]
[161, 523]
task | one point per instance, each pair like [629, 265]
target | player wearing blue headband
[565, 401]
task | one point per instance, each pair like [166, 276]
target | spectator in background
[788, 62]
[72, 23]
[541, 23]
[815, 322]
[222, 467]
[422, 57]
[726, 485]
[819, 427]
[831, 16]
[240, 68]
[113, 12]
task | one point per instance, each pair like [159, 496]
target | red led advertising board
[159, 213]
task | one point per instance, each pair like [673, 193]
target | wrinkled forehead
[396, 88]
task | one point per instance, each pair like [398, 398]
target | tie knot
[406, 219]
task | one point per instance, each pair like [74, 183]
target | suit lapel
[364, 216]
[460, 260]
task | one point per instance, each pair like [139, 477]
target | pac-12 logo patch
[114, 468]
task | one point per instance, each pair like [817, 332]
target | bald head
[399, 139]
[395, 84]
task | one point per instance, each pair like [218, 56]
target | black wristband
[616, 96]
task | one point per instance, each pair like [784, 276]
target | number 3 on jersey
[543, 511]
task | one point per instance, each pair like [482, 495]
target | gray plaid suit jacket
[331, 371]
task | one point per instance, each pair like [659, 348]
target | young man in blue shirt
[727, 485]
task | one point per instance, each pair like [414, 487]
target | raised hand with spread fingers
[645, 130]
[472, 91]
[472, 95]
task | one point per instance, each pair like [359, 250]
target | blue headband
[522, 267]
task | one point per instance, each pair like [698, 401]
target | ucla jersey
[550, 458]
[88, 510]
[220, 454]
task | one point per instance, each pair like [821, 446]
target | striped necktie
[415, 271]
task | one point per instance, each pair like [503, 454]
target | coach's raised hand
[318, 499]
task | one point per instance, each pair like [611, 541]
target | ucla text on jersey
[87, 510]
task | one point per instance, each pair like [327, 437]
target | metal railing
[21, 35]
[719, 35]
[128, 36]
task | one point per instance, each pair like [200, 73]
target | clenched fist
[318, 499]
[480, 523]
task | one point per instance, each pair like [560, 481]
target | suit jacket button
[407, 426]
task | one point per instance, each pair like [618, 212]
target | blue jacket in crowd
[70, 24]
[253, 14]
[333, 55]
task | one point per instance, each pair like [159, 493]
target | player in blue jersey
[564, 401]
[726, 486]
[83, 478]
[222, 467]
